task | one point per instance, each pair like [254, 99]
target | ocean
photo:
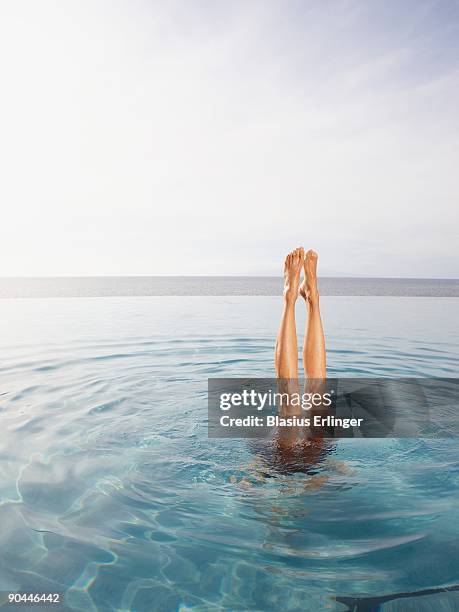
[105, 286]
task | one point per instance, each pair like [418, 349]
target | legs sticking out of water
[295, 448]
[286, 354]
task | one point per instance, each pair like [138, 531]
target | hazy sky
[191, 137]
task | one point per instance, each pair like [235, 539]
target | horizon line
[325, 276]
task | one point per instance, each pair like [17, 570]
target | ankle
[313, 299]
[290, 297]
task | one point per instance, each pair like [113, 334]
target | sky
[211, 137]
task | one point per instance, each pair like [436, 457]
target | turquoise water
[111, 492]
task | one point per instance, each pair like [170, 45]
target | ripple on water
[111, 490]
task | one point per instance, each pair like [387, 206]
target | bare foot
[308, 289]
[292, 270]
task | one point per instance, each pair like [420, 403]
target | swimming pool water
[111, 492]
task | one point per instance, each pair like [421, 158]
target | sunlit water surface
[111, 492]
